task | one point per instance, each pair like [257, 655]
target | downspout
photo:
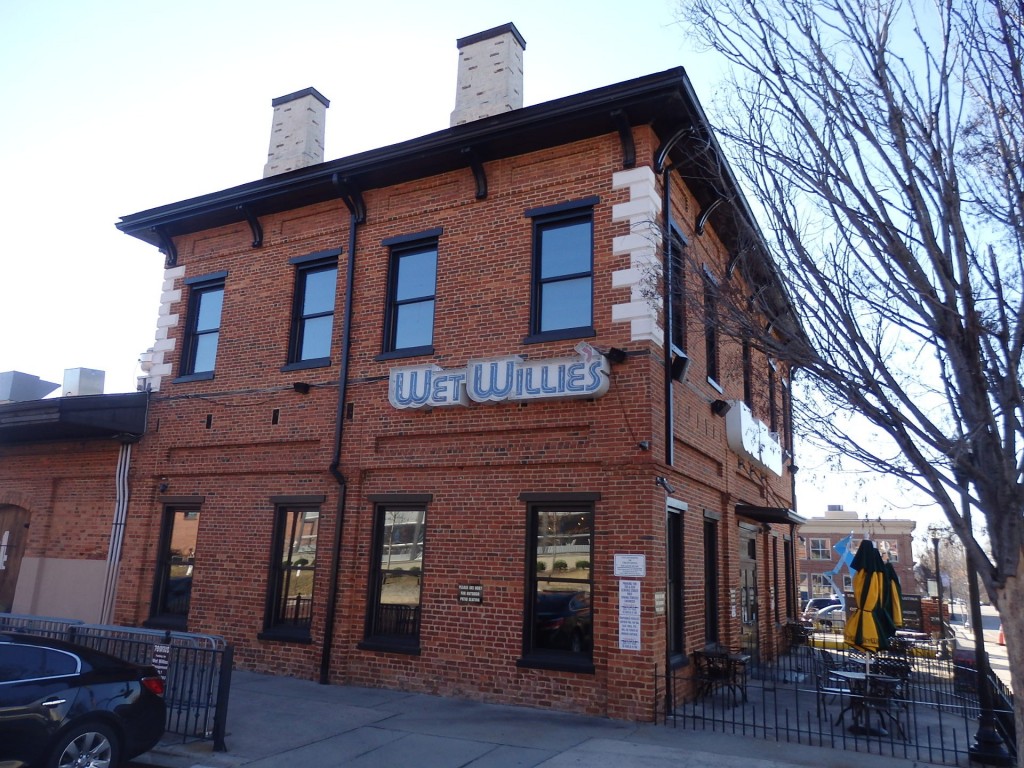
[357, 215]
[666, 229]
[124, 462]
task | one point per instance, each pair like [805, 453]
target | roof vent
[82, 381]
[17, 387]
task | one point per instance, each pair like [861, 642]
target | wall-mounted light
[615, 355]
[164, 485]
[644, 445]
[720, 407]
[793, 469]
[301, 387]
[680, 365]
[664, 484]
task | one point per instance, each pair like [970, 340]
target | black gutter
[357, 216]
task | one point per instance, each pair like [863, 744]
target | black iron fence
[196, 668]
[821, 697]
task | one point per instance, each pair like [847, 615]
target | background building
[819, 536]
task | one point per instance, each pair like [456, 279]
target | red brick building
[819, 536]
[455, 415]
[64, 484]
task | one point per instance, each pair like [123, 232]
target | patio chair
[828, 687]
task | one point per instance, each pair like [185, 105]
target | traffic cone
[1002, 638]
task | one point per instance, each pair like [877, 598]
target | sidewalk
[280, 721]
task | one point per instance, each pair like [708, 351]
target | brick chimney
[490, 74]
[297, 134]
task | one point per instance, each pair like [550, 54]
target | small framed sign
[471, 593]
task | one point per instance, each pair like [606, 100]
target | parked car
[66, 706]
[815, 604]
[564, 621]
[831, 618]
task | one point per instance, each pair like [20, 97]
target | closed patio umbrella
[876, 590]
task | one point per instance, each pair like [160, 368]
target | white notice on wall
[630, 566]
[629, 615]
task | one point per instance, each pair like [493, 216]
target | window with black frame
[393, 620]
[412, 288]
[677, 245]
[172, 587]
[711, 327]
[563, 270]
[202, 331]
[316, 278]
[560, 627]
[292, 571]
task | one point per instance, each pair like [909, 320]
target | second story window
[316, 277]
[412, 287]
[677, 258]
[711, 327]
[819, 549]
[202, 333]
[563, 270]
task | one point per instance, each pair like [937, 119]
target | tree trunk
[1011, 609]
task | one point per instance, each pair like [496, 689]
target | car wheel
[88, 745]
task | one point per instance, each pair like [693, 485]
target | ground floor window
[289, 610]
[710, 579]
[172, 587]
[821, 586]
[393, 615]
[559, 630]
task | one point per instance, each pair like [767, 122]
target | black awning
[783, 515]
[82, 417]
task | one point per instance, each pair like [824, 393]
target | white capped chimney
[297, 133]
[490, 74]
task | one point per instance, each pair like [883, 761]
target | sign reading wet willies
[492, 380]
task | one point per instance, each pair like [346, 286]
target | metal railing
[787, 700]
[196, 668]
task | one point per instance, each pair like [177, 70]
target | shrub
[582, 565]
[561, 565]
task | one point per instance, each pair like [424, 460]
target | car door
[37, 689]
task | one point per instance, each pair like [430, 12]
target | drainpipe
[124, 462]
[357, 215]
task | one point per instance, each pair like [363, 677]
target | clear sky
[111, 107]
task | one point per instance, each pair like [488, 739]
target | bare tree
[881, 141]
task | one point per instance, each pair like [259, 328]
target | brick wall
[218, 440]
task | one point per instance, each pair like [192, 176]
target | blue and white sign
[492, 380]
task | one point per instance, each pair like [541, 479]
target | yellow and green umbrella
[876, 591]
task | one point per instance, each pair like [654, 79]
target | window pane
[297, 568]
[316, 337]
[175, 591]
[565, 249]
[417, 275]
[566, 304]
[206, 352]
[414, 325]
[210, 304]
[318, 293]
[562, 616]
[400, 567]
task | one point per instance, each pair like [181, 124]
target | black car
[563, 621]
[66, 706]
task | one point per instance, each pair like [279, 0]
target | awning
[74, 418]
[783, 515]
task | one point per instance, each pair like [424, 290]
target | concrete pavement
[280, 721]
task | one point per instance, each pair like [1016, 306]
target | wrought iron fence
[196, 668]
[931, 714]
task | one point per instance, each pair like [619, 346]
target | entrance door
[748, 593]
[13, 535]
[172, 588]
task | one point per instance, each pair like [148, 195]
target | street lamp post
[934, 532]
[988, 747]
